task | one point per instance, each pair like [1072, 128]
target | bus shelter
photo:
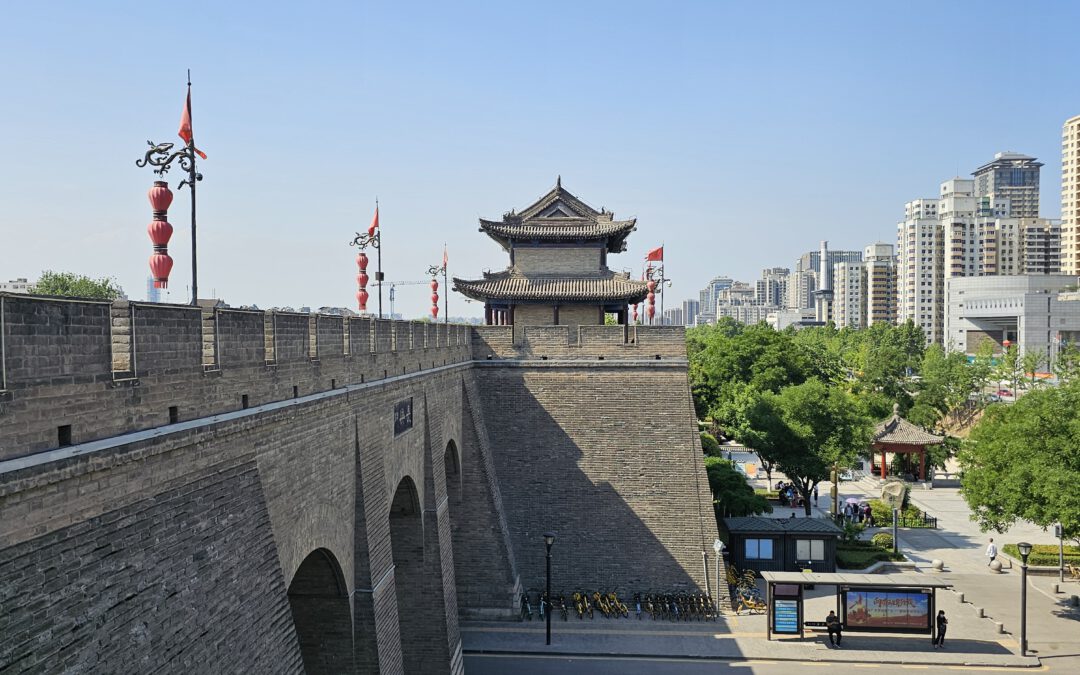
[881, 603]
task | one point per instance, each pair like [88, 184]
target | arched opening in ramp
[452, 462]
[407, 546]
[319, 600]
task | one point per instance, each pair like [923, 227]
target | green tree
[946, 385]
[1009, 368]
[72, 285]
[982, 367]
[1031, 362]
[1067, 363]
[732, 495]
[709, 445]
[1020, 462]
[806, 429]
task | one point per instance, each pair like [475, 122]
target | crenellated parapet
[580, 342]
[101, 368]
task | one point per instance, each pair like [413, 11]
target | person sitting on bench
[832, 622]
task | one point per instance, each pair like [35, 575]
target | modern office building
[1008, 186]
[1038, 313]
[1070, 196]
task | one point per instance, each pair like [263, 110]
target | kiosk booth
[881, 603]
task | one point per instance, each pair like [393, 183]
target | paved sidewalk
[970, 641]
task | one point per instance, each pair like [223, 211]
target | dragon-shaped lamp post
[160, 156]
[433, 271]
[363, 240]
[656, 280]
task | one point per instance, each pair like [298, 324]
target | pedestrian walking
[815, 495]
[869, 517]
[942, 624]
[991, 552]
[832, 622]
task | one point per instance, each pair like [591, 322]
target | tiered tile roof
[508, 285]
[898, 430]
[560, 216]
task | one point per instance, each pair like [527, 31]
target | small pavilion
[897, 435]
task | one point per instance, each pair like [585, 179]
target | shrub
[1045, 554]
[709, 445]
[882, 540]
[851, 532]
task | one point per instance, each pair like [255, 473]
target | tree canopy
[732, 495]
[1021, 463]
[806, 429]
[71, 285]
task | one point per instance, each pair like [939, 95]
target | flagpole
[378, 261]
[446, 290]
[192, 176]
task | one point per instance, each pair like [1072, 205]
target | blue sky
[738, 135]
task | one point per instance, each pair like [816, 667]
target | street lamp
[1025, 551]
[549, 539]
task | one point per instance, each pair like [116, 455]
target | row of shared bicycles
[745, 595]
[658, 606]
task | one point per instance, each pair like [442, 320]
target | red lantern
[652, 298]
[362, 279]
[434, 285]
[435, 311]
[160, 197]
[160, 232]
[651, 285]
[635, 312]
[650, 311]
[361, 298]
[160, 266]
[361, 261]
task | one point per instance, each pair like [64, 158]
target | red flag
[656, 254]
[185, 125]
[374, 222]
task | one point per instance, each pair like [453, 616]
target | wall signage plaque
[402, 416]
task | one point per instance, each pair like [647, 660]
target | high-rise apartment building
[708, 296]
[920, 279]
[879, 284]
[956, 211]
[772, 287]
[848, 293]
[864, 293]
[1070, 196]
[690, 309]
[1008, 186]
[806, 280]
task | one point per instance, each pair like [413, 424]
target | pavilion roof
[510, 285]
[897, 430]
[559, 216]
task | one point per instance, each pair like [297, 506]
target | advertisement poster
[785, 616]
[887, 609]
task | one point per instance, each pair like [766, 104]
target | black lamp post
[1025, 551]
[549, 539]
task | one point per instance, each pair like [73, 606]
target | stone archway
[319, 600]
[407, 546]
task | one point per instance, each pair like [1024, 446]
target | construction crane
[392, 284]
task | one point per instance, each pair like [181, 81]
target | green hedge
[860, 558]
[1045, 554]
[883, 514]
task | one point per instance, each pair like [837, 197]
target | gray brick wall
[135, 589]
